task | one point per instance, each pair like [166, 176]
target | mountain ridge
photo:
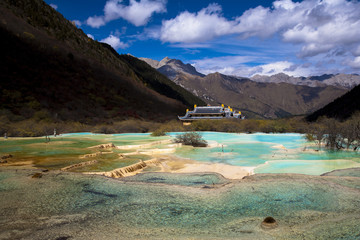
[257, 99]
[346, 81]
[171, 67]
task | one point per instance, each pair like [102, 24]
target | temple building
[210, 112]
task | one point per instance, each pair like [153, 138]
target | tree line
[336, 135]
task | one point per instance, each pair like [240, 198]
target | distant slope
[341, 108]
[275, 98]
[264, 100]
[54, 71]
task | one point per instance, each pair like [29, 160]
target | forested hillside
[52, 71]
[341, 108]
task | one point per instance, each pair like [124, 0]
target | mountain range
[52, 71]
[267, 97]
[347, 81]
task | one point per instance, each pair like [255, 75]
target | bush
[191, 138]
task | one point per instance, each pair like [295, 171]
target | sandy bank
[228, 171]
[145, 145]
[183, 165]
[19, 164]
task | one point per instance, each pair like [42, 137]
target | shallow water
[64, 205]
[93, 207]
[207, 180]
[269, 153]
[66, 149]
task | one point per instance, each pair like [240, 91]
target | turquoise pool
[269, 153]
[266, 153]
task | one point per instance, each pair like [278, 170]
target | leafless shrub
[191, 138]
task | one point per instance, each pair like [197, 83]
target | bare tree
[316, 133]
[348, 133]
[333, 138]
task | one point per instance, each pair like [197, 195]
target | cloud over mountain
[194, 27]
[236, 66]
[115, 42]
[320, 27]
[137, 13]
[54, 6]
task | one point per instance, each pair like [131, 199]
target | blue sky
[243, 38]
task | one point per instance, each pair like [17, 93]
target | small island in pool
[134, 186]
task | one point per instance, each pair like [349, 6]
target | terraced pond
[264, 153]
[166, 204]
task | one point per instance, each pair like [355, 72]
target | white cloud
[239, 66]
[77, 23]
[320, 26]
[285, 4]
[191, 45]
[194, 27]
[281, 67]
[355, 63]
[209, 23]
[137, 13]
[115, 42]
[308, 22]
[216, 64]
[90, 36]
[54, 6]
[325, 28]
[356, 51]
[95, 21]
[313, 49]
[148, 33]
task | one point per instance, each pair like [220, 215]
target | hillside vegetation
[53, 72]
[341, 108]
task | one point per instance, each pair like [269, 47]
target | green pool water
[68, 205]
[268, 153]
[160, 206]
[66, 149]
[206, 180]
